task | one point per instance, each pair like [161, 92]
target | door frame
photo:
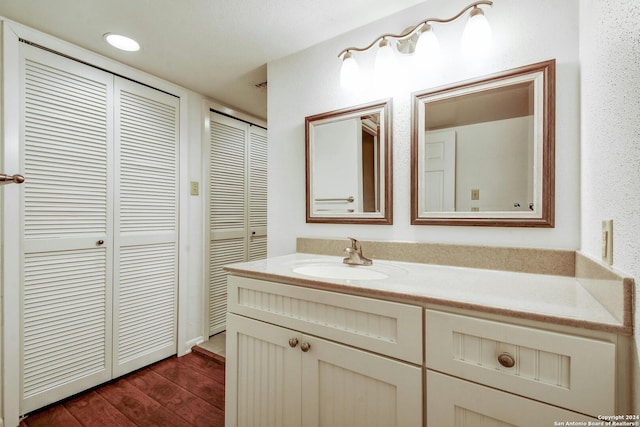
[12, 32]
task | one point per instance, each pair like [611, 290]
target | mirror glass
[483, 151]
[348, 159]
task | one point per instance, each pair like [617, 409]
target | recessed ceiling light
[122, 42]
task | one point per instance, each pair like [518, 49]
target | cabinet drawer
[455, 402]
[568, 371]
[384, 327]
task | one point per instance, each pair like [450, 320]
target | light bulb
[350, 72]
[428, 48]
[122, 42]
[385, 64]
[477, 37]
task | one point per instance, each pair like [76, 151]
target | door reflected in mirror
[483, 151]
[348, 159]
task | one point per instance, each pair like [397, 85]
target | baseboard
[188, 345]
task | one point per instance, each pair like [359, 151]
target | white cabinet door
[65, 135]
[271, 382]
[146, 226]
[458, 403]
[262, 375]
[346, 387]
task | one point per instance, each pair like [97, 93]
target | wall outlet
[475, 209]
[475, 194]
[607, 241]
[195, 188]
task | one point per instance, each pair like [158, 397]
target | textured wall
[610, 102]
[306, 83]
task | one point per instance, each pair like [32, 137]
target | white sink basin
[340, 271]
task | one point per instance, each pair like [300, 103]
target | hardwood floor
[179, 391]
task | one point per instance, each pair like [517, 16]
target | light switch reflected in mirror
[483, 151]
[348, 165]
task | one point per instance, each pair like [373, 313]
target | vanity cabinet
[302, 356]
[299, 356]
[500, 373]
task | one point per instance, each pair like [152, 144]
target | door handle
[11, 179]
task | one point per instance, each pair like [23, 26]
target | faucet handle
[356, 246]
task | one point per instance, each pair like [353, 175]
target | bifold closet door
[257, 185]
[66, 133]
[237, 217]
[227, 209]
[99, 210]
[146, 226]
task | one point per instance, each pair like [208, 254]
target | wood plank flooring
[179, 391]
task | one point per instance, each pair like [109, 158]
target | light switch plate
[195, 188]
[607, 241]
[475, 194]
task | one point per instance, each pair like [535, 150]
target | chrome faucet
[354, 254]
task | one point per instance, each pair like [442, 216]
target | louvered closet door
[66, 132]
[227, 209]
[146, 237]
[257, 173]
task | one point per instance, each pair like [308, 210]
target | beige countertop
[561, 300]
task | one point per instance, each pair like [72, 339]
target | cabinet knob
[293, 342]
[305, 346]
[100, 242]
[506, 360]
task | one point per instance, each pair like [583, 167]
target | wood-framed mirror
[483, 151]
[349, 165]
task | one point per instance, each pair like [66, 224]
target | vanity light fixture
[385, 64]
[122, 42]
[476, 38]
[349, 72]
[427, 49]
[420, 39]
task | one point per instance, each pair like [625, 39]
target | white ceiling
[218, 48]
